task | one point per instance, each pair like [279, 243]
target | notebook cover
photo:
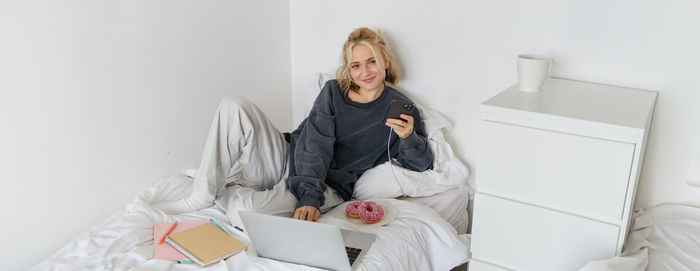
[165, 251]
[207, 243]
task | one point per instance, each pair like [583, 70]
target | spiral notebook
[205, 244]
[165, 251]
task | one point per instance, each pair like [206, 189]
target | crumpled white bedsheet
[451, 205]
[417, 240]
[662, 237]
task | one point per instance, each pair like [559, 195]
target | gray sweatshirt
[341, 139]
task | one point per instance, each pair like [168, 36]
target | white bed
[428, 234]
[663, 237]
[419, 238]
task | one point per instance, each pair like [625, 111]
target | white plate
[390, 213]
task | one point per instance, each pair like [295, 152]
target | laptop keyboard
[352, 253]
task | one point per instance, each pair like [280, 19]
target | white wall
[456, 54]
[101, 99]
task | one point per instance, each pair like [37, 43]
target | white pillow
[448, 171]
[379, 182]
[313, 88]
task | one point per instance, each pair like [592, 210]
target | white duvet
[663, 237]
[419, 239]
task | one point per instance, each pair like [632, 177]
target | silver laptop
[303, 242]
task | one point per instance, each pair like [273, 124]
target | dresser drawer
[577, 174]
[524, 237]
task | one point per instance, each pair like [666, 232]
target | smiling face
[366, 70]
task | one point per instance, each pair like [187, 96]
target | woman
[314, 168]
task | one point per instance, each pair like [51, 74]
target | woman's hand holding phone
[399, 117]
[402, 127]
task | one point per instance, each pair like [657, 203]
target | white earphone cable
[391, 164]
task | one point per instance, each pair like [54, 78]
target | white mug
[533, 70]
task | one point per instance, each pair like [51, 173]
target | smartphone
[399, 107]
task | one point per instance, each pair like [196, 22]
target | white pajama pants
[244, 145]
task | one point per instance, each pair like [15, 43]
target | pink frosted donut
[353, 209]
[371, 212]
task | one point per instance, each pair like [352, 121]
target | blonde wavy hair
[375, 41]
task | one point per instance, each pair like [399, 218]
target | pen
[162, 238]
[188, 261]
[239, 229]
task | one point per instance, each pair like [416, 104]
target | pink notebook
[165, 251]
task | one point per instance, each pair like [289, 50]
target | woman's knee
[234, 101]
[236, 104]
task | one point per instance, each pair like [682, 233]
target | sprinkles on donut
[371, 212]
[353, 209]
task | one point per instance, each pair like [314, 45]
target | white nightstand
[557, 174]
